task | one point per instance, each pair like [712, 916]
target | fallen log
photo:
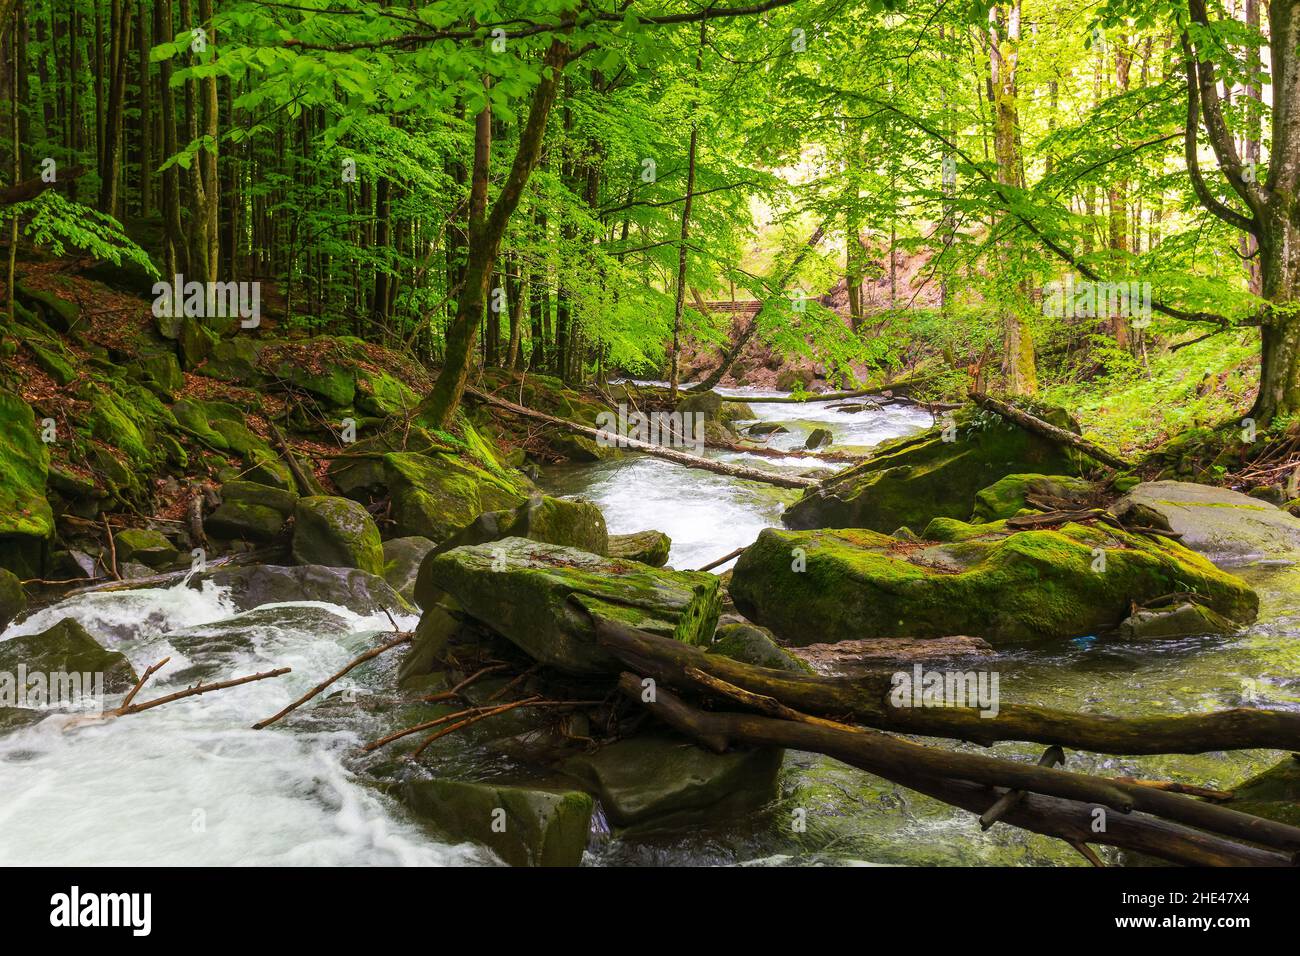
[778, 453]
[659, 451]
[1049, 431]
[801, 399]
[971, 782]
[866, 700]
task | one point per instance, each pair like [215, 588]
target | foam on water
[191, 783]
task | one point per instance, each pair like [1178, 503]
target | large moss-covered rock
[648, 547]
[1225, 525]
[66, 648]
[979, 580]
[147, 546]
[24, 466]
[434, 496]
[907, 482]
[524, 827]
[1007, 496]
[573, 524]
[336, 532]
[542, 597]
[661, 778]
[13, 601]
[283, 501]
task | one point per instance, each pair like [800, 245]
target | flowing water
[191, 783]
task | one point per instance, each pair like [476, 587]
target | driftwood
[659, 451]
[865, 700]
[1049, 431]
[1058, 803]
[722, 560]
[801, 399]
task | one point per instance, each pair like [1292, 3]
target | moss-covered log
[866, 700]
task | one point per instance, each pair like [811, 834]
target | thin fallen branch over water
[196, 690]
[866, 700]
[659, 451]
[722, 560]
[1058, 803]
[800, 399]
[1049, 431]
[404, 638]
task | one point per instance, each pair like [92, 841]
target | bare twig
[355, 662]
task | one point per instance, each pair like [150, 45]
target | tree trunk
[438, 409]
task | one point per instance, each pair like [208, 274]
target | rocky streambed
[935, 553]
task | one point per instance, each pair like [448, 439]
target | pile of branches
[721, 703]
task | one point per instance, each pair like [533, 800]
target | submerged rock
[358, 591]
[523, 827]
[542, 598]
[336, 532]
[648, 547]
[912, 480]
[1222, 524]
[980, 580]
[66, 648]
[660, 778]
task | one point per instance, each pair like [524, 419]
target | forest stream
[193, 785]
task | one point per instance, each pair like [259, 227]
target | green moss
[336, 532]
[1032, 585]
[24, 466]
[436, 495]
[913, 480]
[1007, 497]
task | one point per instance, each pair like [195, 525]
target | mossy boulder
[1225, 525]
[378, 393]
[1273, 794]
[147, 546]
[334, 383]
[1182, 620]
[648, 547]
[60, 314]
[24, 467]
[434, 496]
[402, 560]
[573, 524]
[13, 600]
[233, 360]
[909, 481]
[244, 521]
[250, 511]
[751, 644]
[524, 827]
[1007, 496]
[980, 580]
[193, 419]
[543, 598]
[337, 533]
[661, 779]
[66, 648]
